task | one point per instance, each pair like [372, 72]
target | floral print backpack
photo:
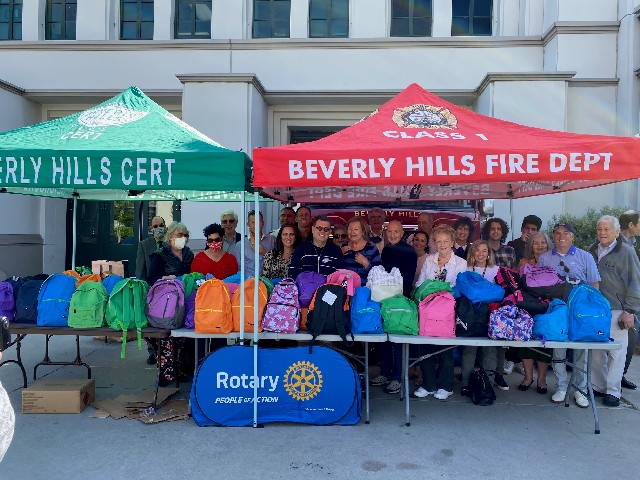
[282, 313]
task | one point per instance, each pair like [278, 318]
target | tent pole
[511, 217]
[74, 232]
[256, 290]
[242, 272]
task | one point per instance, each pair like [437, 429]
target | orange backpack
[93, 277]
[72, 273]
[213, 308]
[248, 305]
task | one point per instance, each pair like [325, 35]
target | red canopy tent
[418, 147]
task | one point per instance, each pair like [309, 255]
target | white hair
[224, 213]
[612, 219]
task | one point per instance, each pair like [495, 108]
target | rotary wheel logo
[303, 381]
[424, 116]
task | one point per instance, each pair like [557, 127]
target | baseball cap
[563, 224]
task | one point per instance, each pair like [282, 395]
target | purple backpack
[190, 310]
[535, 276]
[282, 313]
[7, 302]
[510, 323]
[308, 283]
[165, 304]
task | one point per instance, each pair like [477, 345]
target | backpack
[534, 276]
[190, 310]
[478, 289]
[72, 273]
[263, 298]
[126, 309]
[91, 277]
[437, 315]
[7, 301]
[349, 279]
[190, 282]
[267, 283]
[560, 290]
[553, 326]
[527, 301]
[508, 278]
[399, 315]
[213, 308]
[282, 313]
[589, 315]
[27, 302]
[88, 306]
[53, 300]
[308, 283]
[428, 287]
[510, 323]
[480, 389]
[365, 313]
[329, 314]
[384, 284]
[110, 281]
[472, 319]
[231, 288]
[165, 304]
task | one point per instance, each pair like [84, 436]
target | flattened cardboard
[58, 396]
[130, 406]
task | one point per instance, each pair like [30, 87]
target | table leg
[366, 382]
[570, 385]
[591, 397]
[18, 361]
[47, 360]
[405, 365]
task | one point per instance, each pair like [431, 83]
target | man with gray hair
[376, 227]
[229, 221]
[619, 269]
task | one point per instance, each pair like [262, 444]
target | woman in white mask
[174, 258]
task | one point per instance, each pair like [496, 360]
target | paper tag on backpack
[329, 297]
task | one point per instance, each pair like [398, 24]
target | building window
[328, 18]
[136, 19]
[411, 18]
[471, 17]
[271, 18]
[61, 20]
[10, 19]
[193, 19]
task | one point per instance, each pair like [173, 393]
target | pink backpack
[347, 278]
[282, 313]
[437, 315]
[231, 288]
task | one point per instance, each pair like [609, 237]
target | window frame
[471, 17]
[177, 20]
[11, 22]
[271, 19]
[411, 19]
[329, 19]
[64, 24]
[138, 22]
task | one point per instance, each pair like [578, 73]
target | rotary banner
[293, 385]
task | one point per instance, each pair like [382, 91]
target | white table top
[487, 342]
[188, 333]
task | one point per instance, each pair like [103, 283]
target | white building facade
[319, 65]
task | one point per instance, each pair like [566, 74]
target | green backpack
[88, 305]
[267, 283]
[126, 308]
[189, 282]
[428, 287]
[399, 315]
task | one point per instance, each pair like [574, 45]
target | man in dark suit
[148, 246]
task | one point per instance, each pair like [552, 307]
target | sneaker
[558, 397]
[422, 393]
[500, 383]
[393, 386]
[379, 380]
[581, 400]
[442, 394]
[611, 401]
[519, 368]
[508, 367]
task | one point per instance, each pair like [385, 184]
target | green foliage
[585, 226]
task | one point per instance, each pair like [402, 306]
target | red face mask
[214, 246]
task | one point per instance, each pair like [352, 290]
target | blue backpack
[54, 299]
[589, 315]
[553, 326]
[110, 281]
[27, 301]
[477, 288]
[365, 313]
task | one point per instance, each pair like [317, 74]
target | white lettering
[105, 178]
[169, 162]
[36, 168]
[557, 157]
[386, 165]
[418, 165]
[328, 171]
[343, 168]
[126, 180]
[57, 170]
[141, 170]
[156, 168]
[76, 180]
[467, 161]
[358, 168]
[390, 134]
[295, 170]
[23, 179]
[312, 169]
[90, 181]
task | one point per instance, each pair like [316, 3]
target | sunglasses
[157, 226]
[323, 229]
[217, 239]
[229, 221]
[564, 267]
[339, 235]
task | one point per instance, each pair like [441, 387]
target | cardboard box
[106, 266]
[58, 396]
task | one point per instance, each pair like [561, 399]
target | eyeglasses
[233, 220]
[340, 235]
[323, 229]
[217, 239]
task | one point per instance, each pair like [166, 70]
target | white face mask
[180, 242]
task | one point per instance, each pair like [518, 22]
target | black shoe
[627, 384]
[523, 388]
[611, 401]
[151, 360]
[599, 394]
[163, 382]
[465, 392]
[500, 383]
[541, 390]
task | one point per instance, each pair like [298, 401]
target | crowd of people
[311, 243]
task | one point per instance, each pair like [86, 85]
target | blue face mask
[158, 232]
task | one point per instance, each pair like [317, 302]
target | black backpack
[27, 301]
[329, 314]
[472, 319]
[559, 290]
[480, 389]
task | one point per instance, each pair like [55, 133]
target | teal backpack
[399, 315]
[126, 309]
[88, 306]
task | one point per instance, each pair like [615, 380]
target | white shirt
[487, 272]
[430, 269]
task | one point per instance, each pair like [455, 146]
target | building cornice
[223, 78]
[9, 87]
[94, 96]
[579, 28]
[594, 82]
[522, 77]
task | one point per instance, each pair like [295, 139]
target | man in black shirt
[530, 225]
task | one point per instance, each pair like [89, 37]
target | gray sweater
[619, 276]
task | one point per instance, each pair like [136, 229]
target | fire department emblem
[424, 116]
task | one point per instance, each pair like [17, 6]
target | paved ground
[522, 436]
